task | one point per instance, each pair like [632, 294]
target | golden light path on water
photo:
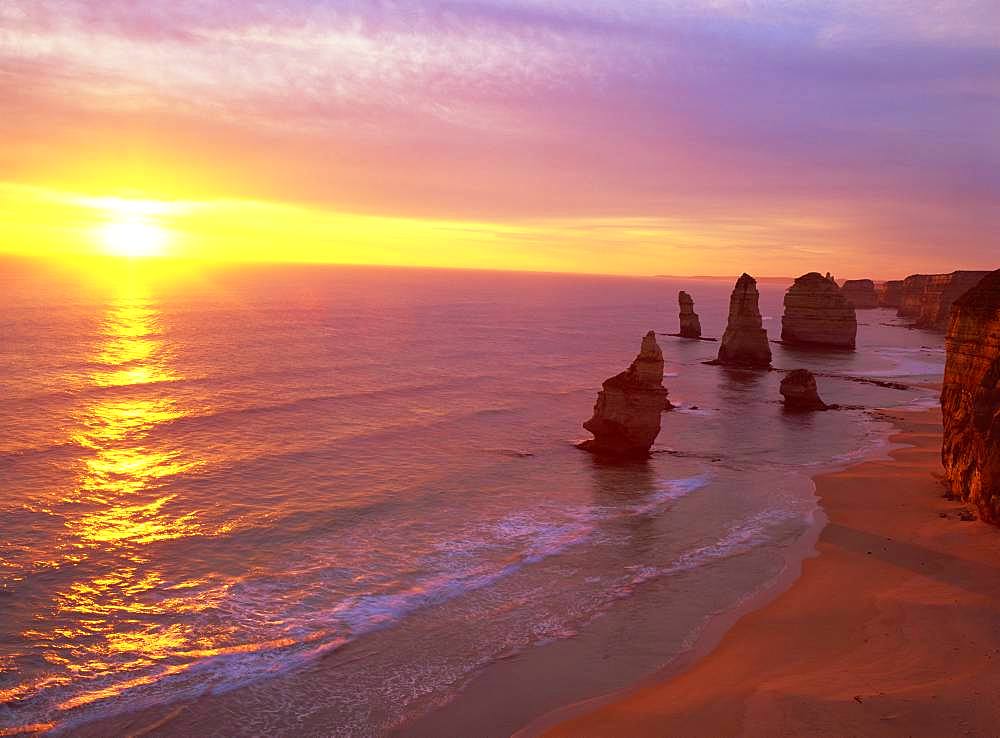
[114, 631]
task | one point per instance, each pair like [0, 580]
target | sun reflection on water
[112, 628]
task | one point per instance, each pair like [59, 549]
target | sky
[640, 137]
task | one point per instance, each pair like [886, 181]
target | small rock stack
[745, 340]
[889, 293]
[800, 393]
[627, 413]
[690, 324]
[860, 293]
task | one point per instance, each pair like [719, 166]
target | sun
[133, 238]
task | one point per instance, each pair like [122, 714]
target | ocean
[346, 501]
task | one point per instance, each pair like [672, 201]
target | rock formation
[799, 390]
[745, 340]
[860, 293]
[940, 292]
[970, 398]
[817, 313]
[690, 325]
[889, 293]
[911, 295]
[627, 413]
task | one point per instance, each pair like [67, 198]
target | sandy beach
[891, 630]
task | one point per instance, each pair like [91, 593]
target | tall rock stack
[970, 398]
[860, 293]
[818, 314]
[690, 325]
[745, 340]
[889, 293]
[626, 417]
[940, 292]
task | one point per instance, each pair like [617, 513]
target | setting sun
[133, 238]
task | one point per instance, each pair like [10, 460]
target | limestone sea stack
[800, 393]
[818, 314]
[627, 413]
[970, 398]
[860, 293]
[745, 340]
[690, 325]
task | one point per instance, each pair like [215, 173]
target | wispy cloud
[883, 115]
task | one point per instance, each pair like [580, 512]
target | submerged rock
[970, 398]
[627, 413]
[690, 324]
[745, 340]
[817, 313]
[800, 393]
[860, 293]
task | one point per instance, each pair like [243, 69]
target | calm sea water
[332, 501]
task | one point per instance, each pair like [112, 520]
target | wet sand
[892, 630]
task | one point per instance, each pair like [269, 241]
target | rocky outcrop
[799, 390]
[889, 293]
[860, 293]
[626, 417]
[690, 325]
[940, 293]
[970, 398]
[745, 340]
[817, 313]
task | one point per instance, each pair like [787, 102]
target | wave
[481, 558]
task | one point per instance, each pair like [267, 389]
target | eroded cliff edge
[970, 398]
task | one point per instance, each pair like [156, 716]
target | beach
[890, 630]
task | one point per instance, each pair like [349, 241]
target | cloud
[878, 113]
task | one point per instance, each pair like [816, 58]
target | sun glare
[133, 238]
[131, 228]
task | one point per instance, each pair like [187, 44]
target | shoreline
[159, 719]
[831, 647]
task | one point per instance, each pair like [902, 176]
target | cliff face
[745, 340]
[911, 295]
[690, 324]
[860, 293]
[970, 398]
[817, 313]
[889, 293]
[940, 292]
[627, 413]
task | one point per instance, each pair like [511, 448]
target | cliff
[690, 324]
[939, 293]
[745, 340]
[889, 293]
[970, 398]
[911, 295]
[860, 293]
[627, 413]
[817, 313]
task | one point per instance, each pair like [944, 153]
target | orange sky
[660, 137]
